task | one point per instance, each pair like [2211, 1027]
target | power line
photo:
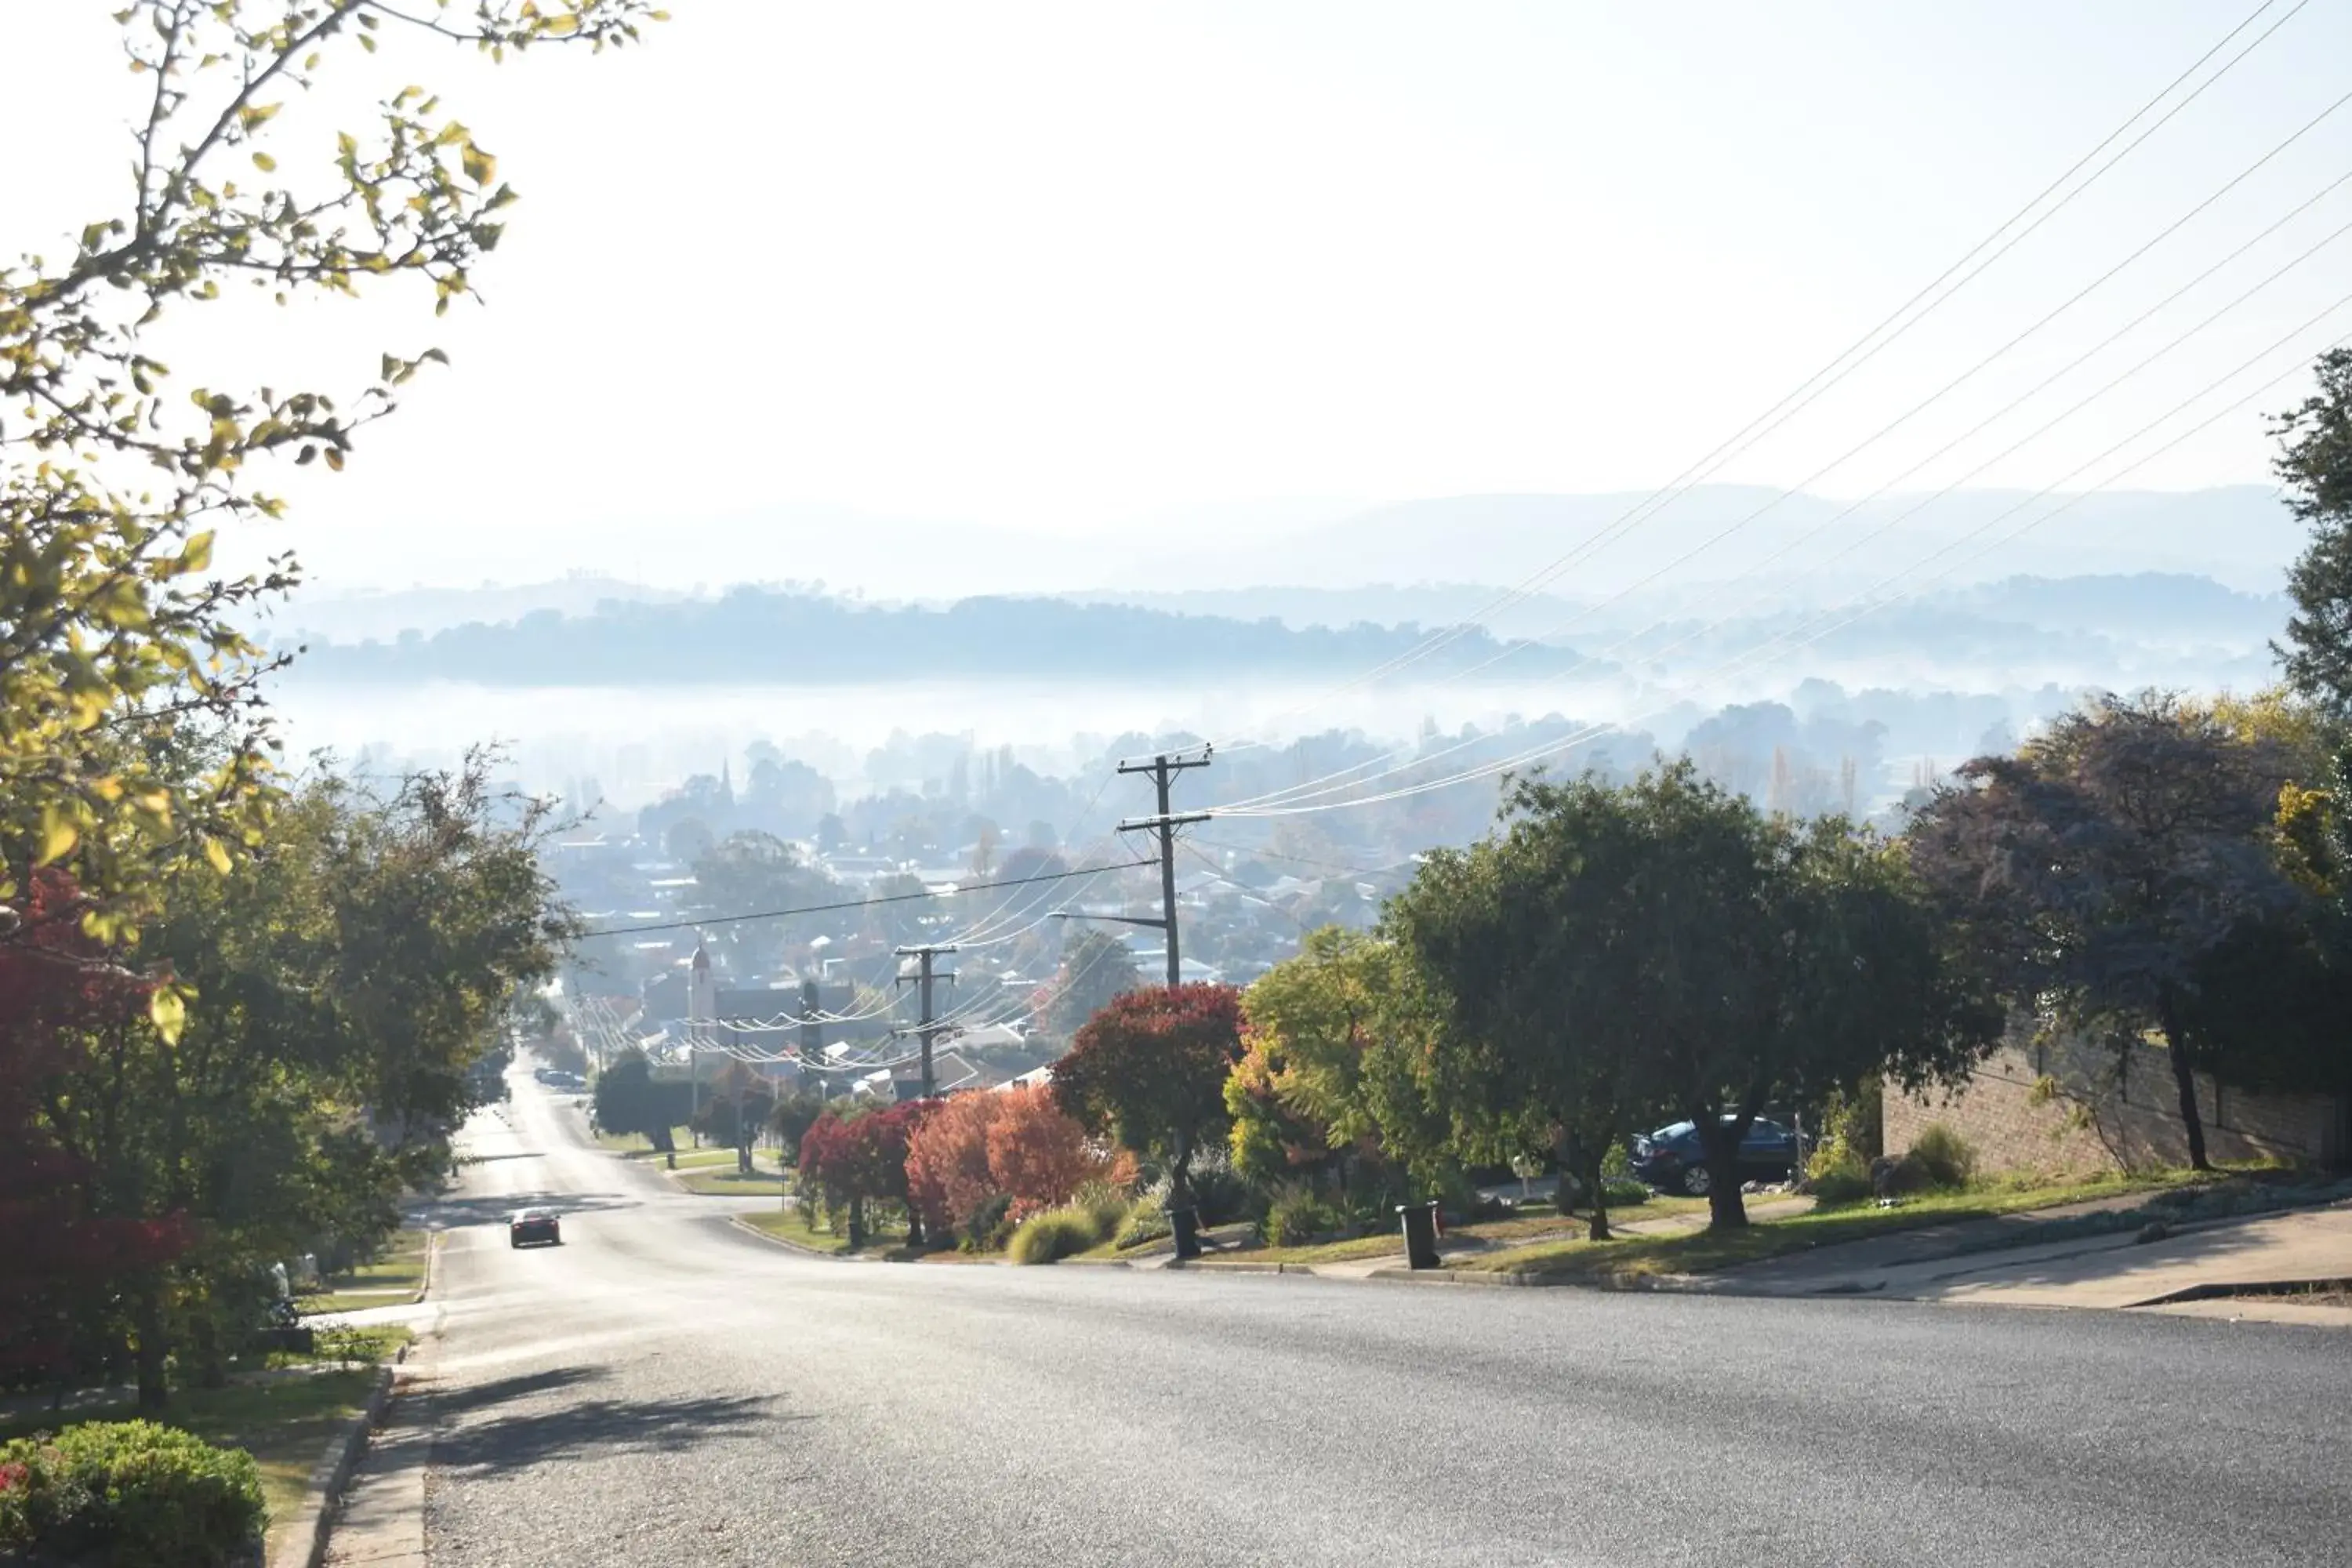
[1862, 350]
[867, 903]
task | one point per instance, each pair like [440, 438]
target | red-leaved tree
[67, 1261]
[1149, 1068]
[1018, 1144]
[849, 1162]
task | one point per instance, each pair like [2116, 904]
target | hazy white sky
[1066, 268]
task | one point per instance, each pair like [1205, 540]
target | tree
[1335, 1041]
[736, 1109]
[2106, 869]
[850, 1162]
[791, 1118]
[1016, 1143]
[1149, 1071]
[749, 872]
[132, 736]
[2314, 466]
[1665, 947]
[629, 1100]
[1097, 969]
[68, 1266]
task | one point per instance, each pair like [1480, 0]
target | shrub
[1945, 1155]
[1106, 1201]
[1219, 1195]
[1836, 1174]
[1623, 1192]
[1054, 1235]
[129, 1491]
[1297, 1215]
[1144, 1224]
[989, 1227]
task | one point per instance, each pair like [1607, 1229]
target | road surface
[665, 1389]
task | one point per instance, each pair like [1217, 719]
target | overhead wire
[1852, 357]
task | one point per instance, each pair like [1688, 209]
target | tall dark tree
[2108, 868]
[1097, 969]
[2314, 464]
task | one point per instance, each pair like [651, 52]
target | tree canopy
[1149, 1071]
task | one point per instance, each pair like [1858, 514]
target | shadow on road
[457, 1211]
[476, 1435]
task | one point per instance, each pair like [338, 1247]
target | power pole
[1163, 769]
[923, 977]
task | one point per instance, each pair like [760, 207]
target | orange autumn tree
[1018, 1144]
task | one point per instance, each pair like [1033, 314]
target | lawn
[1700, 1252]
[723, 1181]
[634, 1146]
[389, 1281]
[283, 1421]
[1383, 1243]
[791, 1225]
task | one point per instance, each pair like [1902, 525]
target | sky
[1087, 278]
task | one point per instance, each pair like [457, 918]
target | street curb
[1096, 1263]
[304, 1544]
[739, 1223]
[2206, 1292]
[432, 1255]
[1237, 1265]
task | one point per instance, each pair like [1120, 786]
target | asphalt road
[665, 1389]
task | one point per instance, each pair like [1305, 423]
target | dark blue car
[1671, 1160]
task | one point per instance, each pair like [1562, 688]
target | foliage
[1622, 1192]
[1297, 1215]
[131, 739]
[1056, 1233]
[1016, 1144]
[790, 1119]
[1144, 1224]
[746, 872]
[735, 1106]
[1662, 947]
[849, 1162]
[1947, 1158]
[63, 1260]
[630, 1101]
[129, 1491]
[2314, 466]
[988, 1227]
[1837, 1173]
[1337, 1037]
[2100, 871]
[1149, 1071]
[1097, 969]
[349, 977]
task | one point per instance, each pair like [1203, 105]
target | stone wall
[2111, 1113]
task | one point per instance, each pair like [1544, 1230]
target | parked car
[1671, 1160]
[534, 1226]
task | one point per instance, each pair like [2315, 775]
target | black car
[534, 1226]
[1671, 1159]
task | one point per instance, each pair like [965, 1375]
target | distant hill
[770, 636]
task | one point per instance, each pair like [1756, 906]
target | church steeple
[726, 781]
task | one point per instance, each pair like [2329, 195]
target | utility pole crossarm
[1163, 770]
[924, 977]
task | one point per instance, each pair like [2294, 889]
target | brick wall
[2134, 1114]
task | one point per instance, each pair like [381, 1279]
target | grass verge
[1703, 1251]
[634, 1145]
[790, 1225]
[728, 1182]
[1520, 1228]
[283, 1421]
[393, 1279]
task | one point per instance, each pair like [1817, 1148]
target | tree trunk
[2184, 1079]
[1599, 1230]
[1726, 1210]
[1180, 1172]
[148, 1322]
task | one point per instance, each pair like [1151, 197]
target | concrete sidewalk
[2113, 1271]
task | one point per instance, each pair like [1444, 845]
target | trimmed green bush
[990, 1226]
[1144, 1225]
[128, 1492]
[1623, 1192]
[1297, 1215]
[1054, 1235]
[1945, 1155]
[1836, 1174]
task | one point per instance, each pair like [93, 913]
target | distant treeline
[755, 635]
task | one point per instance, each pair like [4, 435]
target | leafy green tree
[2111, 868]
[734, 1109]
[1097, 969]
[1149, 1071]
[749, 872]
[131, 738]
[1613, 953]
[2314, 466]
[1336, 1039]
[630, 1101]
